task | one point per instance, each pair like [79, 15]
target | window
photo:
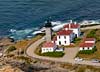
[44, 49]
[65, 37]
[59, 42]
[65, 42]
[88, 48]
[83, 48]
[59, 37]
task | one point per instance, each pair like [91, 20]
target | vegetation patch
[53, 54]
[11, 48]
[77, 40]
[92, 33]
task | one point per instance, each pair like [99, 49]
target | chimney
[75, 23]
[69, 25]
[71, 21]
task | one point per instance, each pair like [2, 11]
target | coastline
[56, 26]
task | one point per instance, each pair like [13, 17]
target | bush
[53, 54]
[76, 40]
[92, 33]
[11, 48]
[88, 51]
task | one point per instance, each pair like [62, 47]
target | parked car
[95, 61]
[78, 59]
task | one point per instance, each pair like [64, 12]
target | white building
[88, 44]
[48, 47]
[64, 37]
[75, 27]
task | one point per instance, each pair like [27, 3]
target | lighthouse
[48, 30]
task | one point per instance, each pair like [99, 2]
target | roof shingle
[48, 44]
[64, 32]
[71, 26]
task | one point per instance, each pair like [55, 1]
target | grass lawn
[95, 55]
[53, 54]
[24, 43]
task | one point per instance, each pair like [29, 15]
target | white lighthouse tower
[48, 30]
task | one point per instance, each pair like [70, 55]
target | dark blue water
[30, 14]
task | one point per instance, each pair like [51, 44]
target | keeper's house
[64, 37]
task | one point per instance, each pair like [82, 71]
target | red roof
[71, 26]
[55, 38]
[64, 32]
[89, 39]
[48, 44]
[86, 44]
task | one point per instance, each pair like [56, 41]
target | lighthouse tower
[48, 30]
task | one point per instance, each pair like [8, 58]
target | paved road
[91, 27]
[68, 58]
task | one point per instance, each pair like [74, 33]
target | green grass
[77, 40]
[53, 54]
[92, 33]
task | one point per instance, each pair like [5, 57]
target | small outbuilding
[86, 46]
[48, 47]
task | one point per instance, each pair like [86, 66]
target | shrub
[88, 51]
[92, 33]
[76, 40]
[53, 54]
[11, 48]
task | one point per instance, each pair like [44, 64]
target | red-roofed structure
[72, 26]
[64, 37]
[48, 47]
[64, 32]
[89, 39]
[86, 44]
[75, 27]
[48, 44]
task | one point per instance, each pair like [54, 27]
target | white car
[78, 59]
[95, 61]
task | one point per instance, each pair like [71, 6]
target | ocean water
[25, 16]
